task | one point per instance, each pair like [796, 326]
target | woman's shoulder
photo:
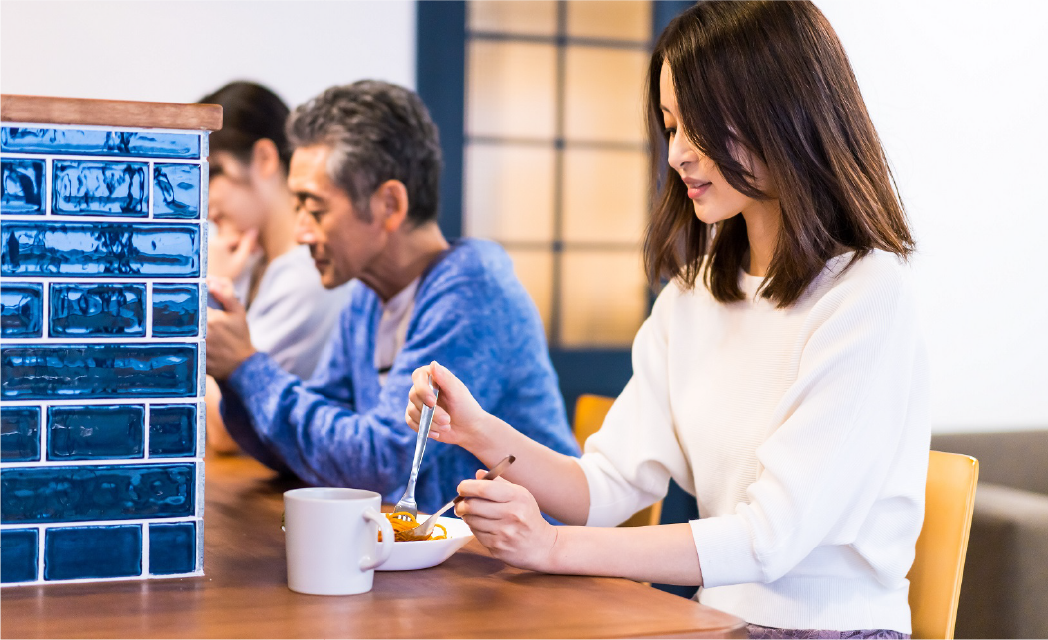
[877, 282]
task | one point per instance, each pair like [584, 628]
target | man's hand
[228, 338]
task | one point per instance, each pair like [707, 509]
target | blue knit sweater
[342, 428]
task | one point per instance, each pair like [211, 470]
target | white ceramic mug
[332, 545]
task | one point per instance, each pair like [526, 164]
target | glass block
[82, 371]
[604, 91]
[72, 553]
[172, 548]
[528, 17]
[610, 19]
[176, 191]
[100, 249]
[604, 298]
[97, 492]
[95, 432]
[19, 434]
[23, 186]
[95, 142]
[605, 195]
[21, 310]
[509, 192]
[98, 310]
[534, 268]
[511, 89]
[172, 430]
[89, 187]
[176, 310]
[19, 555]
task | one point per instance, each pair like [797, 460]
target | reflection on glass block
[43, 371]
[21, 310]
[176, 190]
[98, 310]
[172, 548]
[100, 249]
[92, 552]
[176, 310]
[96, 492]
[83, 187]
[19, 555]
[172, 430]
[95, 431]
[101, 143]
[19, 434]
[23, 186]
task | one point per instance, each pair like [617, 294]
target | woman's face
[235, 203]
[712, 197]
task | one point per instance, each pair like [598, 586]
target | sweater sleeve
[834, 431]
[316, 429]
[293, 314]
[629, 462]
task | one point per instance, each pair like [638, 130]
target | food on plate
[402, 521]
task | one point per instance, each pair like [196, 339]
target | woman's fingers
[420, 385]
[488, 490]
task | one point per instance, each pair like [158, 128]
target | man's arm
[365, 444]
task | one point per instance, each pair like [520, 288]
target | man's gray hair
[376, 131]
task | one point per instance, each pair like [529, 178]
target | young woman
[781, 377]
[252, 240]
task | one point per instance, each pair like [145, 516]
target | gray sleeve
[293, 315]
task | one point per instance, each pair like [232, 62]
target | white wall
[178, 51]
[959, 93]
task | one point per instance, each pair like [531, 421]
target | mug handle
[367, 563]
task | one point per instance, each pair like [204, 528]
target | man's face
[343, 241]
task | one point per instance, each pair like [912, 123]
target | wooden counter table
[244, 592]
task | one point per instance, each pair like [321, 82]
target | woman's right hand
[229, 251]
[457, 418]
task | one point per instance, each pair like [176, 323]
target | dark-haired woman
[781, 377]
[289, 312]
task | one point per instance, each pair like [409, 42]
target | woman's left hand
[506, 519]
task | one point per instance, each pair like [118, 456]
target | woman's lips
[695, 190]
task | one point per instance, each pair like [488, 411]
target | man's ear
[389, 203]
[265, 159]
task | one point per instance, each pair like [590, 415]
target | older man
[365, 171]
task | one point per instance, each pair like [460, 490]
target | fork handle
[424, 424]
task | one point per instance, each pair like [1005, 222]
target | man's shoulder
[474, 264]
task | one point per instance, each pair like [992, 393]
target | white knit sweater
[802, 432]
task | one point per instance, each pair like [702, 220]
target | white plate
[423, 554]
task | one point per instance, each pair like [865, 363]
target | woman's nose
[677, 155]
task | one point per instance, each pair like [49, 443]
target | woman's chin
[708, 215]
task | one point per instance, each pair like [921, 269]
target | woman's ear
[390, 204]
[265, 159]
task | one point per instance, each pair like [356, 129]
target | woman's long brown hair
[771, 78]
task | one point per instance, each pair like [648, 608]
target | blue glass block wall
[102, 352]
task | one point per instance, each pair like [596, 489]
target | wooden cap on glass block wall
[114, 113]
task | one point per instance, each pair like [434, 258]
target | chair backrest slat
[935, 578]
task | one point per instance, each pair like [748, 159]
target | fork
[407, 502]
[423, 531]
